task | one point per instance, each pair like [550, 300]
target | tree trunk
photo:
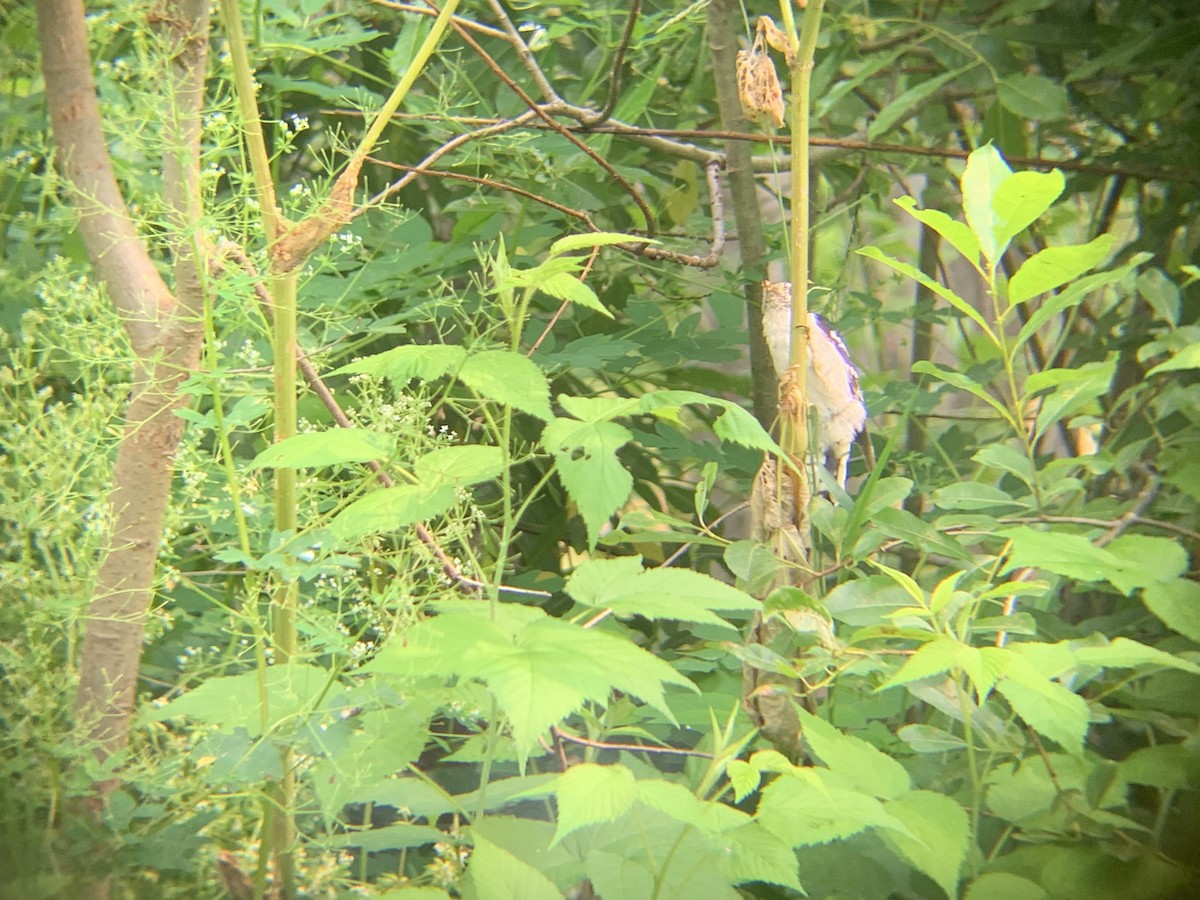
[165, 329]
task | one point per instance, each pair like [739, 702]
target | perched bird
[832, 380]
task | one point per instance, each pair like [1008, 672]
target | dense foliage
[524, 663]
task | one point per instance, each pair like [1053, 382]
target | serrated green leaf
[391, 837]
[756, 855]
[467, 464]
[563, 286]
[1072, 296]
[938, 656]
[390, 508]
[743, 778]
[1123, 653]
[424, 361]
[588, 794]
[1073, 556]
[629, 590]
[801, 814]
[1177, 604]
[256, 702]
[325, 448]
[941, 835]
[1046, 706]
[585, 454]
[864, 767]
[508, 378]
[497, 874]
[733, 424]
[1055, 266]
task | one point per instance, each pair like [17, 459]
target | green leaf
[467, 464]
[585, 454]
[754, 854]
[733, 424]
[900, 523]
[962, 382]
[508, 378]
[864, 767]
[594, 239]
[1174, 767]
[497, 874]
[938, 656]
[909, 101]
[1177, 604]
[564, 286]
[957, 233]
[1123, 653]
[801, 813]
[424, 361]
[391, 837]
[930, 739]
[1072, 296]
[986, 170]
[1162, 294]
[1187, 358]
[1073, 390]
[588, 793]
[629, 590]
[972, 495]
[325, 448]
[1046, 706]
[391, 508]
[1055, 266]
[743, 778]
[1159, 558]
[288, 690]
[1073, 556]
[941, 833]
[942, 291]
[1019, 200]
[1005, 886]
[1033, 97]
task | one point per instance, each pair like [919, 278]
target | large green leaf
[864, 767]
[424, 361]
[982, 177]
[508, 378]
[325, 448]
[941, 835]
[629, 590]
[467, 464]
[390, 508]
[1033, 97]
[496, 874]
[1071, 390]
[256, 702]
[1019, 200]
[1177, 604]
[1055, 266]
[585, 454]
[1046, 706]
[800, 812]
[959, 234]
[588, 793]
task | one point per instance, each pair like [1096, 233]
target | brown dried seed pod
[758, 85]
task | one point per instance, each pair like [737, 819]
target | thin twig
[614, 79]
[632, 748]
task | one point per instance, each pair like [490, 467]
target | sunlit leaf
[325, 448]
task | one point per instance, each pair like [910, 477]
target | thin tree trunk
[164, 327]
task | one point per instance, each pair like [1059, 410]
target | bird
[832, 379]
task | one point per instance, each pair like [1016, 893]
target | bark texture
[164, 327]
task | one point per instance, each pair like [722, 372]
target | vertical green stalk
[800, 66]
